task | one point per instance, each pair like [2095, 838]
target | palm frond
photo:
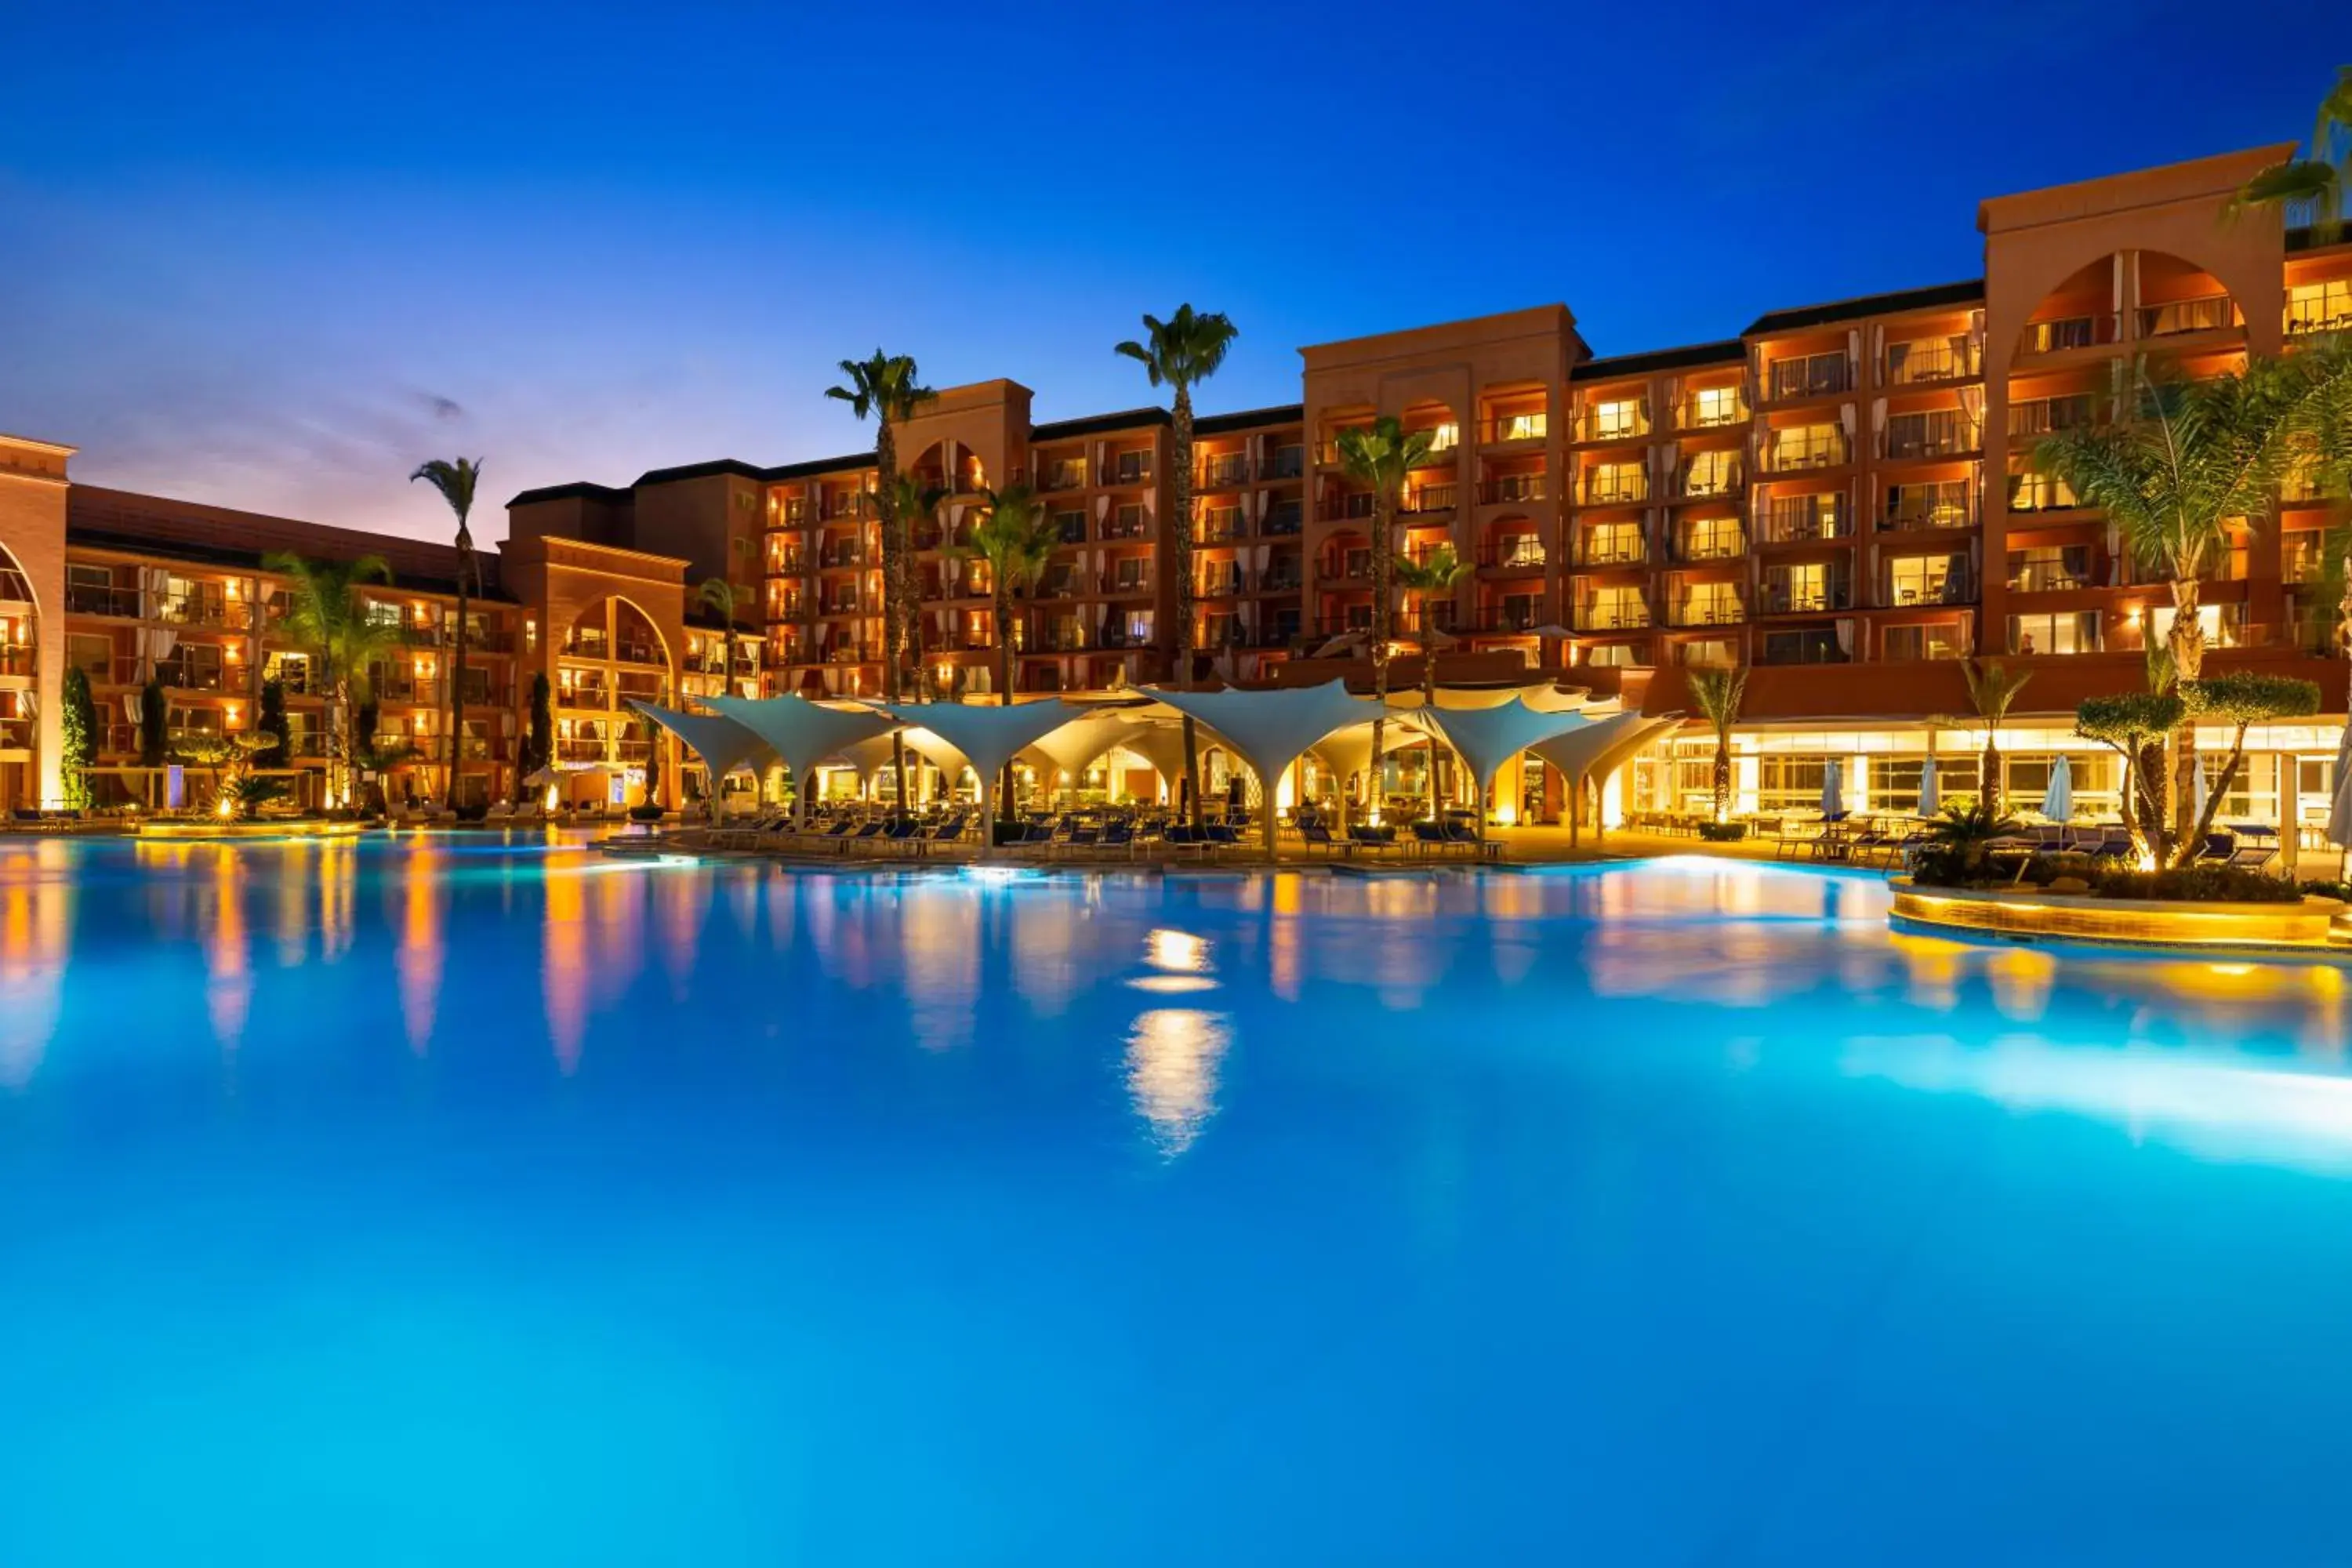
[456, 482]
[1182, 351]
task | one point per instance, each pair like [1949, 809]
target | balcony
[1909, 513]
[2041, 492]
[1070, 474]
[2316, 310]
[1223, 472]
[1286, 518]
[1955, 587]
[1511, 489]
[1127, 522]
[1806, 520]
[1707, 482]
[1914, 435]
[206, 610]
[848, 504]
[841, 556]
[1283, 463]
[2175, 317]
[1814, 448]
[1354, 505]
[1444, 444]
[1510, 427]
[1719, 412]
[1220, 525]
[1625, 615]
[1708, 610]
[1119, 584]
[90, 599]
[17, 659]
[1126, 469]
[1616, 487]
[1356, 568]
[2048, 577]
[1783, 596]
[1512, 617]
[1928, 362]
[186, 676]
[1426, 499]
[1617, 423]
[1524, 552]
[2060, 334]
[1606, 549]
[1800, 647]
[1699, 546]
[1813, 375]
[2040, 417]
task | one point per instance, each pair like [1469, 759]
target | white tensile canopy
[802, 733]
[989, 738]
[722, 744]
[1487, 738]
[1073, 748]
[1270, 729]
[1600, 747]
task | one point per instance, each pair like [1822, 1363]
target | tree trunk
[1004, 637]
[1722, 781]
[1988, 788]
[2187, 640]
[457, 679]
[1428, 706]
[894, 604]
[1179, 533]
[1383, 505]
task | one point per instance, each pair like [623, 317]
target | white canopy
[1597, 748]
[866, 759]
[722, 744]
[933, 748]
[1269, 729]
[1072, 748]
[989, 737]
[800, 733]
[1349, 752]
[1931, 799]
[1488, 737]
[2058, 798]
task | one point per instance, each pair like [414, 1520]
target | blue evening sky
[272, 256]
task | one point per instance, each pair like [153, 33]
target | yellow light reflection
[1171, 1072]
[419, 957]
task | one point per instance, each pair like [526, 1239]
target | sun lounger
[1315, 837]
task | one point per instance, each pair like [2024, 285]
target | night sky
[273, 256]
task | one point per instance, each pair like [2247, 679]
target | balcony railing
[1617, 425]
[2060, 333]
[1220, 525]
[1510, 618]
[1356, 504]
[1927, 361]
[1125, 525]
[1427, 498]
[1523, 553]
[1710, 482]
[1905, 512]
[1719, 610]
[1511, 489]
[1933, 436]
[1287, 517]
[2210, 313]
[1957, 586]
[2043, 415]
[1695, 546]
[1802, 647]
[1787, 598]
[1607, 550]
[1623, 487]
[1516, 428]
[2330, 312]
[1814, 375]
[1223, 472]
[1612, 616]
[1064, 476]
[89, 599]
[1127, 468]
[1711, 413]
[1283, 463]
[1798, 454]
[2046, 577]
[2039, 492]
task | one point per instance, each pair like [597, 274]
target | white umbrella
[2198, 791]
[2339, 811]
[540, 778]
[2058, 799]
[1929, 803]
[1833, 788]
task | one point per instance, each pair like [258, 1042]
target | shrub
[2330, 889]
[1723, 832]
[2197, 884]
[649, 811]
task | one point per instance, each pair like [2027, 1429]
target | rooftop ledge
[2314, 928]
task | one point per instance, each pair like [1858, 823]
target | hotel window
[1790, 784]
[2035, 492]
[1939, 639]
[1709, 604]
[1712, 539]
[1713, 405]
[1616, 417]
[1711, 473]
[1071, 526]
[1612, 655]
[1807, 446]
[291, 670]
[2303, 557]
[2315, 787]
[2048, 567]
[1927, 579]
[1605, 544]
[2092, 775]
[1708, 652]
[2073, 633]
[1609, 609]
[1894, 781]
[1812, 586]
[1801, 518]
[1445, 436]
[2319, 307]
[1521, 427]
[1608, 483]
[2223, 625]
[93, 656]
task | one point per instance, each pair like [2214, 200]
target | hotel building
[1840, 498]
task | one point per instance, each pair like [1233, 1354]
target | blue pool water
[453, 1202]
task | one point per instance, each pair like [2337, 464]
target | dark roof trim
[578, 489]
[1967, 293]
[713, 469]
[1098, 423]
[1249, 419]
[1685, 358]
[810, 470]
[251, 560]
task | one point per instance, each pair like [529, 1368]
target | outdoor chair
[1365, 836]
[2216, 851]
[1315, 837]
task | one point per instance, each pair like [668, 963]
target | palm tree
[915, 501]
[725, 599]
[1716, 692]
[1434, 577]
[1016, 540]
[1180, 352]
[456, 481]
[889, 388]
[1380, 455]
[328, 617]
[2313, 184]
[1991, 689]
[2185, 460]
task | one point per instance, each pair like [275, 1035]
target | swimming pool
[452, 1201]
